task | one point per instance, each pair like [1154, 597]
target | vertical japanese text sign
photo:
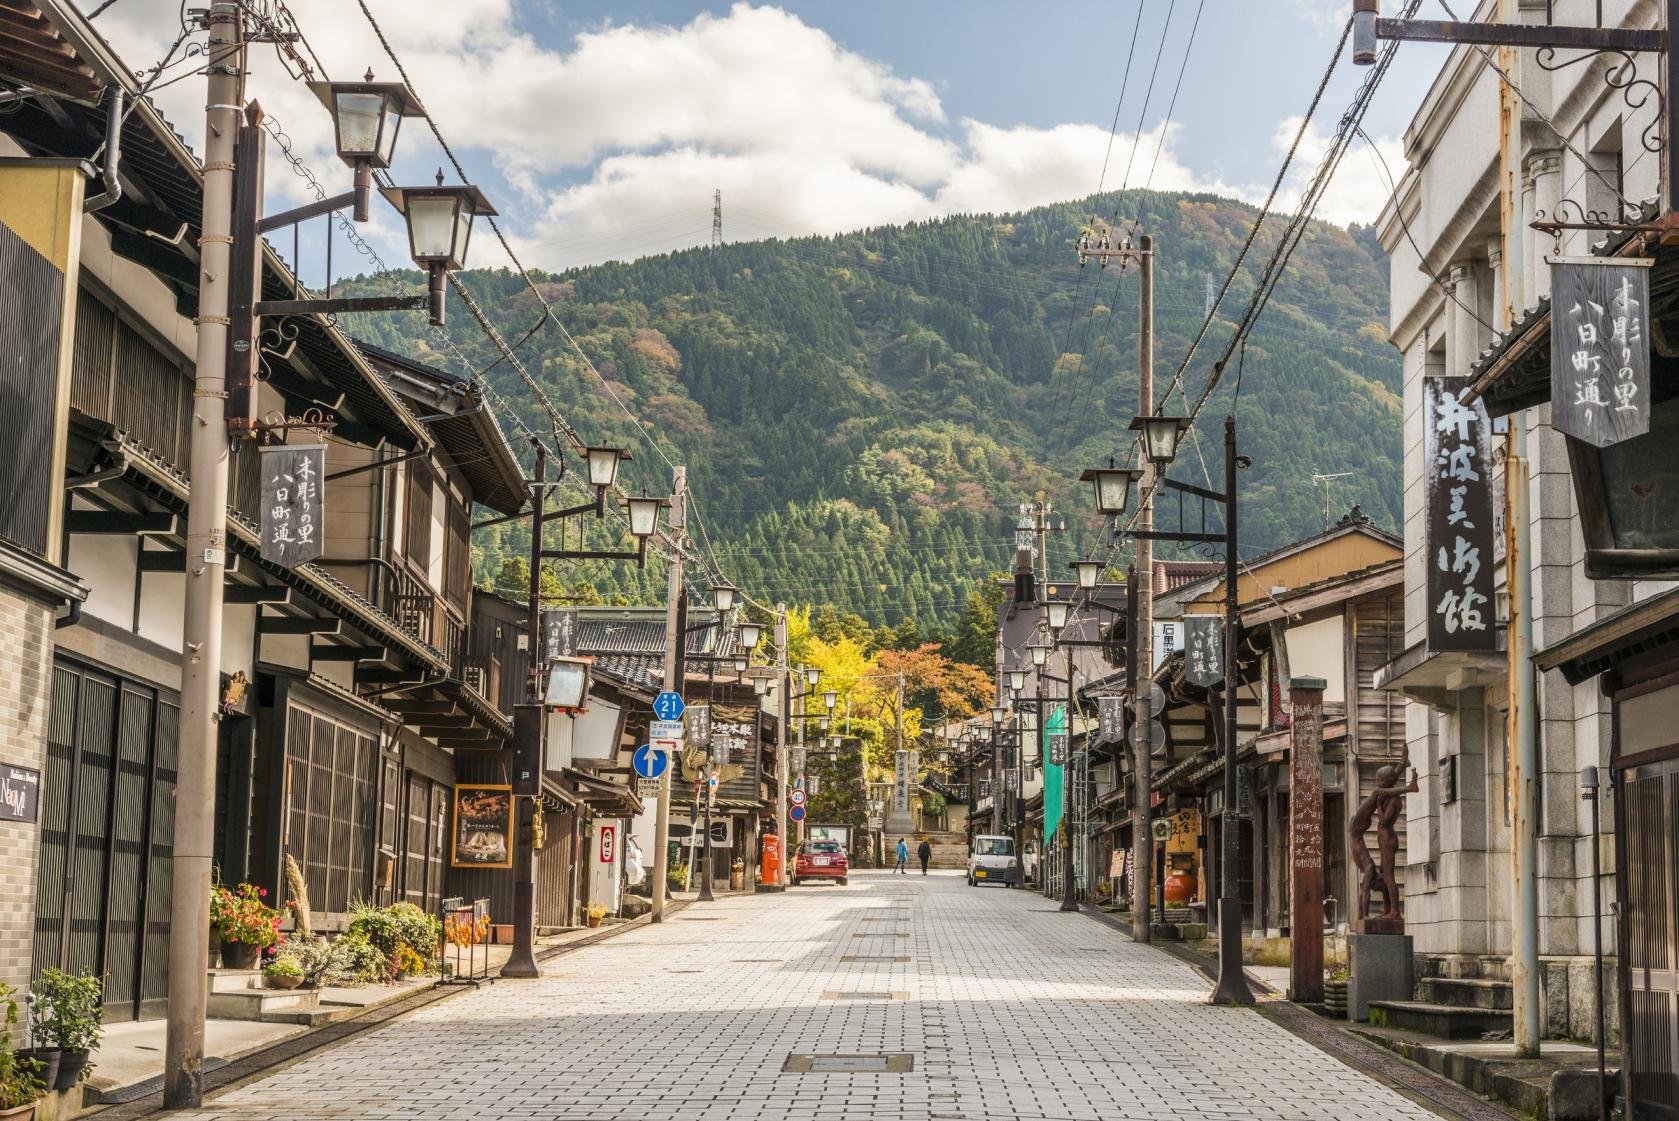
[1203, 645]
[292, 503]
[1458, 508]
[1110, 718]
[1600, 348]
[900, 782]
[559, 634]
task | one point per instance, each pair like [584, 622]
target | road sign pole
[673, 636]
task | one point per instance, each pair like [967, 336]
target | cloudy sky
[600, 129]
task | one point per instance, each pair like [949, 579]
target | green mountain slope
[861, 414]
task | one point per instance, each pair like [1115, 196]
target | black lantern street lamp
[1017, 679]
[1040, 653]
[1055, 615]
[1089, 572]
[1161, 435]
[813, 676]
[644, 516]
[1112, 486]
[723, 597]
[439, 228]
[365, 119]
[750, 634]
[830, 699]
[602, 464]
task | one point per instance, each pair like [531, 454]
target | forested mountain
[860, 415]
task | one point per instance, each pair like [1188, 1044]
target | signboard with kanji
[292, 507]
[1110, 718]
[1600, 348]
[1203, 649]
[559, 633]
[1458, 518]
[1057, 749]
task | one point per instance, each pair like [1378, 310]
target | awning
[604, 797]
[1645, 626]
[1436, 677]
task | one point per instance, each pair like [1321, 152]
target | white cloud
[611, 144]
[1360, 187]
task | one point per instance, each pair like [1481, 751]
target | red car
[820, 860]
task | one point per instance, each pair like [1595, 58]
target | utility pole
[201, 656]
[1142, 839]
[673, 640]
[1069, 889]
[781, 738]
[804, 686]
[521, 962]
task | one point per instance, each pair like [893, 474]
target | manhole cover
[835, 994]
[882, 934]
[867, 957]
[702, 918]
[848, 1064]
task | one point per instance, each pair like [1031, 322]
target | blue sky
[600, 129]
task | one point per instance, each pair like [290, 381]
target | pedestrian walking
[903, 857]
[924, 853]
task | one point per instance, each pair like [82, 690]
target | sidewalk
[127, 1079]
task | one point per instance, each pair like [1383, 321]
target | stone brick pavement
[1008, 1009]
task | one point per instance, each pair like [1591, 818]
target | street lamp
[569, 680]
[439, 227]
[723, 597]
[741, 662]
[1055, 614]
[1040, 653]
[1161, 435]
[812, 676]
[750, 633]
[1112, 486]
[365, 118]
[603, 465]
[1089, 571]
[761, 685]
[998, 714]
[1364, 31]
[1017, 679]
[644, 516]
[824, 721]
[830, 699]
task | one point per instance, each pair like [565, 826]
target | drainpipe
[113, 152]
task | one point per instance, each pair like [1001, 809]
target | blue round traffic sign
[797, 813]
[668, 706]
[649, 762]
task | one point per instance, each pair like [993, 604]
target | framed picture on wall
[482, 836]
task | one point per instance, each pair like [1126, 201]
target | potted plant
[1335, 991]
[595, 912]
[737, 874]
[44, 1055]
[20, 1080]
[67, 1015]
[283, 972]
[247, 925]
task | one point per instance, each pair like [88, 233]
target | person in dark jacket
[924, 853]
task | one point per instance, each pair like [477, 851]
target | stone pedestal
[1379, 968]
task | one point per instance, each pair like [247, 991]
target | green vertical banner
[1054, 725]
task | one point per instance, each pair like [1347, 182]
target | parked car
[821, 860]
[991, 860]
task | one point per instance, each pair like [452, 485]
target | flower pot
[18, 1112]
[737, 879]
[70, 1066]
[1179, 887]
[284, 982]
[593, 920]
[503, 933]
[240, 955]
[48, 1058]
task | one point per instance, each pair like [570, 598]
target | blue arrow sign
[668, 706]
[648, 762]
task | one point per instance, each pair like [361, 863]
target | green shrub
[320, 961]
[396, 925]
[285, 965]
[67, 1009]
[363, 962]
[20, 1081]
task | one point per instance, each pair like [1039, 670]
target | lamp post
[1588, 791]
[227, 352]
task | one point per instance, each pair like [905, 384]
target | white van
[992, 860]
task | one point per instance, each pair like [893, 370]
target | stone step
[269, 1006]
[234, 980]
[1445, 1021]
[1467, 992]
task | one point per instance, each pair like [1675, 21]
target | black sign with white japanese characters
[1459, 525]
[559, 634]
[1600, 348]
[292, 508]
[1203, 646]
[1057, 749]
[1110, 719]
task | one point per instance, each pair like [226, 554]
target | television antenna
[1327, 481]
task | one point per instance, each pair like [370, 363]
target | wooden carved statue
[1384, 805]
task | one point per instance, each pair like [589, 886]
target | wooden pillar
[1305, 830]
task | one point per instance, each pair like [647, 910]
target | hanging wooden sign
[559, 633]
[1600, 348]
[1203, 645]
[292, 503]
[1110, 719]
[1458, 518]
[482, 836]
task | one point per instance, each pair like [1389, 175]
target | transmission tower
[717, 218]
[1212, 295]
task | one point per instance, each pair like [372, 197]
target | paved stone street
[1007, 1008]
